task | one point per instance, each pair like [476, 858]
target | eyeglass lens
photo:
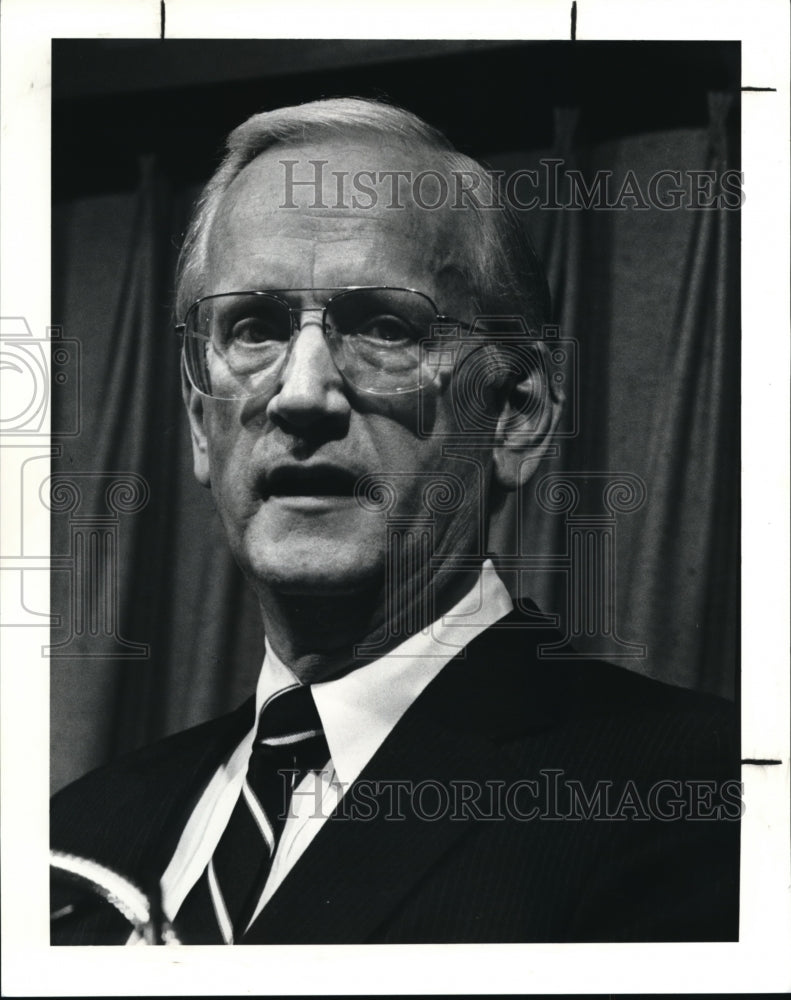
[236, 343]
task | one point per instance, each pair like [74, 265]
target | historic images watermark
[554, 186]
[549, 796]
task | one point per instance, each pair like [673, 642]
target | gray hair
[503, 270]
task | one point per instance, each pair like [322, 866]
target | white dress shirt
[358, 711]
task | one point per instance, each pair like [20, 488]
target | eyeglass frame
[339, 290]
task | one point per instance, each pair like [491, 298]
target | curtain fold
[683, 568]
[137, 407]
[652, 300]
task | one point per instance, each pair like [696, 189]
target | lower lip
[311, 502]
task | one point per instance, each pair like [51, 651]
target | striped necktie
[289, 743]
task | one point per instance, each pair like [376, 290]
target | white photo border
[758, 962]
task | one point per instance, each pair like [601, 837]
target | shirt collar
[359, 710]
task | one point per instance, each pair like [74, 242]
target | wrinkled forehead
[381, 195]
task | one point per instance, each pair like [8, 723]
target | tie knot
[288, 718]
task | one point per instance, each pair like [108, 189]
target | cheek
[401, 448]
[432, 475]
[426, 417]
[223, 431]
[228, 456]
[421, 432]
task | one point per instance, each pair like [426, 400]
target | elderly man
[363, 375]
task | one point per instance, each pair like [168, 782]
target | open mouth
[309, 481]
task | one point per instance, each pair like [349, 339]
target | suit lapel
[356, 871]
[156, 789]
[193, 769]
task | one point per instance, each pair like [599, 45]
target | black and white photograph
[392, 464]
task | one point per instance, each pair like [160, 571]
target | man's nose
[310, 387]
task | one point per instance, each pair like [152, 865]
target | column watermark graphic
[92, 560]
[587, 561]
[33, 369]
[409, 598]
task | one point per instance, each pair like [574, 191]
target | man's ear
[530, 409]
[200, 452]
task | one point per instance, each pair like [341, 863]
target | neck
[323, 636]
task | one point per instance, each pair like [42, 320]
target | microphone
[86, 884]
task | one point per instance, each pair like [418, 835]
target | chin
[314, 571]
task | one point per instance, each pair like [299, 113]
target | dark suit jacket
[609, 753]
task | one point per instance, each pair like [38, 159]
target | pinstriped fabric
[289, 743]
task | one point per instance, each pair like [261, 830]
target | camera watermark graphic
[551, 186]
[26, 364]
[494, 351]
[40, 410]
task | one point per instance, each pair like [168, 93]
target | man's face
[282, 465]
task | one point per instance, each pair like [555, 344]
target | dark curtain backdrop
[651, 297]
